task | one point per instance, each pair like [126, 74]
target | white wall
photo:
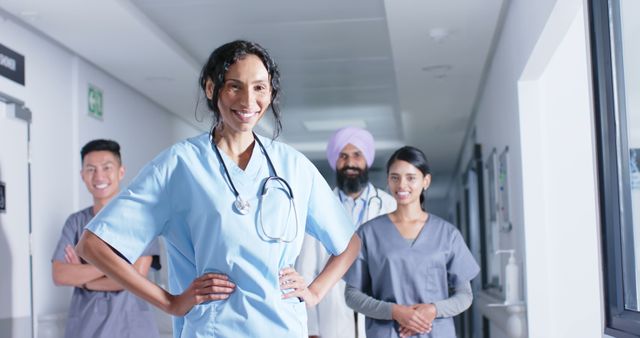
[56, 92]
[48, 94]
[559, 182]
[140, 127]
[557, 301]
[497, 120]
[496, 125]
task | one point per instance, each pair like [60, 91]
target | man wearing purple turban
[350, 153]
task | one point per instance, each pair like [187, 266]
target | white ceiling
[408, 70]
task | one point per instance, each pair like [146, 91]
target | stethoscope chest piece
[242, 206]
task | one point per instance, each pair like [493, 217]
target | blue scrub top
[391, 269]
[184, 195]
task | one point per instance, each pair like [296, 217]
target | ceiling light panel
[330, 125]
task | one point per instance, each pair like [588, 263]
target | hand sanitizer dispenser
[515, 308]
[511, 283]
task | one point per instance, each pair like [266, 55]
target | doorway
[16, 312]
[473, 184]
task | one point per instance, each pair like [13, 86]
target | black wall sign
[11, 65]
[3, 198]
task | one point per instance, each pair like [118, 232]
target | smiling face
[102, 173]
[351, 161]
[245, 94]
[406, 182]
[351, 170]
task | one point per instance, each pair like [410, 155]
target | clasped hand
[414, 319]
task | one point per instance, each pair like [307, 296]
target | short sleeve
[135, 217]
[358, 274]
[153, 249]
[327, 220]
[461, 266]
[68, 237]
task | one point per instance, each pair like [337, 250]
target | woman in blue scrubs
[409, 260]
[233, 207]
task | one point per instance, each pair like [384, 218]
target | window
[616, 73]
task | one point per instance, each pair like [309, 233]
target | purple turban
[358, 137]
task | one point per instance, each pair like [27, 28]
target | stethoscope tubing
[264, 190]
[367, 212]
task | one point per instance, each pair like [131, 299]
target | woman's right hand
[410, 319]
[208, 287]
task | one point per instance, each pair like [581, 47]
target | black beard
[352, 184]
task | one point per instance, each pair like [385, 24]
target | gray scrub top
[104, 313]
[390, 269]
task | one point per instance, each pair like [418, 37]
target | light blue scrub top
[184, 195]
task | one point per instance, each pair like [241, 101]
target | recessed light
[331, 125]
[437, 68]
[438, 34]
[438, 71]
[30, 15]
[159, 79]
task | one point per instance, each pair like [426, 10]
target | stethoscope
[368, 206]
[243, 207]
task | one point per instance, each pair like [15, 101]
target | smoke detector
[438, 34]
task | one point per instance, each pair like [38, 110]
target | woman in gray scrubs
[408, 260]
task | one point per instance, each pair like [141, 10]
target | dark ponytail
[415, 157]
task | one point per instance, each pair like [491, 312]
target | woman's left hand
[290, 279]
[428, 312]
[406, 332]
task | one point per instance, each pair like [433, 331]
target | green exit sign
[95, 102]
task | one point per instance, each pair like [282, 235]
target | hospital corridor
[478, 168]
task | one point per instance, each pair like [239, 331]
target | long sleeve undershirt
[360, 302]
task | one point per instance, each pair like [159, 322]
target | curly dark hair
[218, 64]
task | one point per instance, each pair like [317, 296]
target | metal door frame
[17, 109]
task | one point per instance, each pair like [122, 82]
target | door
[472, 320]
[15, 259]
